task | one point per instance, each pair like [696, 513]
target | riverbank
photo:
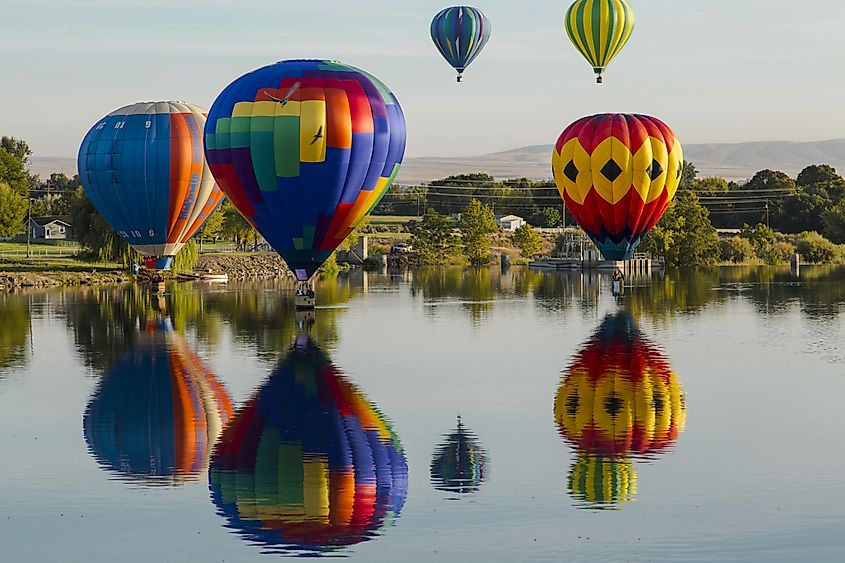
[262, 265]
[17, 280]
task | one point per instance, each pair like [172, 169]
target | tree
[433, 238]
[477, 223]
[709, 185]
[820, 174]
[548, 217]
[737, 250]
[526, 239]
[12, 211]
[13, 173]
[834, 222]
[235, 227]
[18, 148]
[770, 180]
[684, 236]
[213, 227]
[815, 248]
[688, 175]
[95, 234]
[760, 236]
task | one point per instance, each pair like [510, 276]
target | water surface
[429, 415]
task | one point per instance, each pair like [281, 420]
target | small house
[510, 222]
[51, 227]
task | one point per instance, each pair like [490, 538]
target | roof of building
[47, 219]
[510, 218]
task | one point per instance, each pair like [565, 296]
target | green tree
[477, 223]
[709, 185]
[548, 217]
[212, 229]
[13, 209]
[760, 236]
[433, 238]
[689, 173]
[770, 180]
[236, 228]
[18, 148]
[820, 174]
[684, 236]
[814, 248]
[834, 222]
[526, 239]
[737, 250]
[13, 173]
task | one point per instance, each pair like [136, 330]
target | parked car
[401, 248]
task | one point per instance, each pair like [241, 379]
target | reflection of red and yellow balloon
[602, 481]
[157, 412]
[619, 395]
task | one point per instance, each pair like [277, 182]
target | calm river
[435, 415]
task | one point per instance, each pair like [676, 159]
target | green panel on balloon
[222, 138]
[262, 152]
[298, 244]
[286, 142]
[266, 464]
[308, 236]
[240, 132]
[291, 475]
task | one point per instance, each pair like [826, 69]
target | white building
[510, 222]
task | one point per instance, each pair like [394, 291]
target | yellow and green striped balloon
[599, 29]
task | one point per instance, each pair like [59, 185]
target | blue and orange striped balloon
[305, 149]
[143, 168]
[460, 33]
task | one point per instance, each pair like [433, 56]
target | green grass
[392, 219]
[35, 265]
[390, 236]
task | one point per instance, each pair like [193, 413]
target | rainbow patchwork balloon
[143, 168]
[617, 174]
[305, 149]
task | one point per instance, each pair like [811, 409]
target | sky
[714, 70]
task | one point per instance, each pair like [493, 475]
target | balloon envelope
[460, 463]
[305, 149]
[619, 395]
[308, 464]
[460, 33]
[143, 168]
[599, 29]
[157, 413]
[617, 174]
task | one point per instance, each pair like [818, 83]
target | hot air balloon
[617, 174]
[460, 463]
[618, 401]
[156, 414]
[143, 168]
[305, 149]
[599, 29]
[460, 33]
[308, 464]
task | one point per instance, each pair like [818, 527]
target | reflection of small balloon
[602, 481]
[460, 33]
[599, 29]
[143, 168]
[308, 463]
[305, 149]
[619, 395]
[157, 412]
[460, 463]
[617, 174]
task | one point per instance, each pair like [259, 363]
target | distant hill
[729, 160]
[732, 161]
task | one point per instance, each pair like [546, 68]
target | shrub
[736, 250]
[777, 252]
[814, 248]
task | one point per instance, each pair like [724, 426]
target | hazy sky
[715, 70]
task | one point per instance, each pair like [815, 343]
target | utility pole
[29, 230]
[767, 213]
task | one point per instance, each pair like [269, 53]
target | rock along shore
[262, 265]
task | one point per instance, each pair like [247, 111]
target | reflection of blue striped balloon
[460, 33]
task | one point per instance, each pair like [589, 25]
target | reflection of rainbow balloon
[144, 170]
[617, 174]
[308, 463]
[618, 400]
[460, 463]
[157, 412]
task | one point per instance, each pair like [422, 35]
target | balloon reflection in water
[460, 463]
[157, 412]
[308, 464]
[618, 400]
